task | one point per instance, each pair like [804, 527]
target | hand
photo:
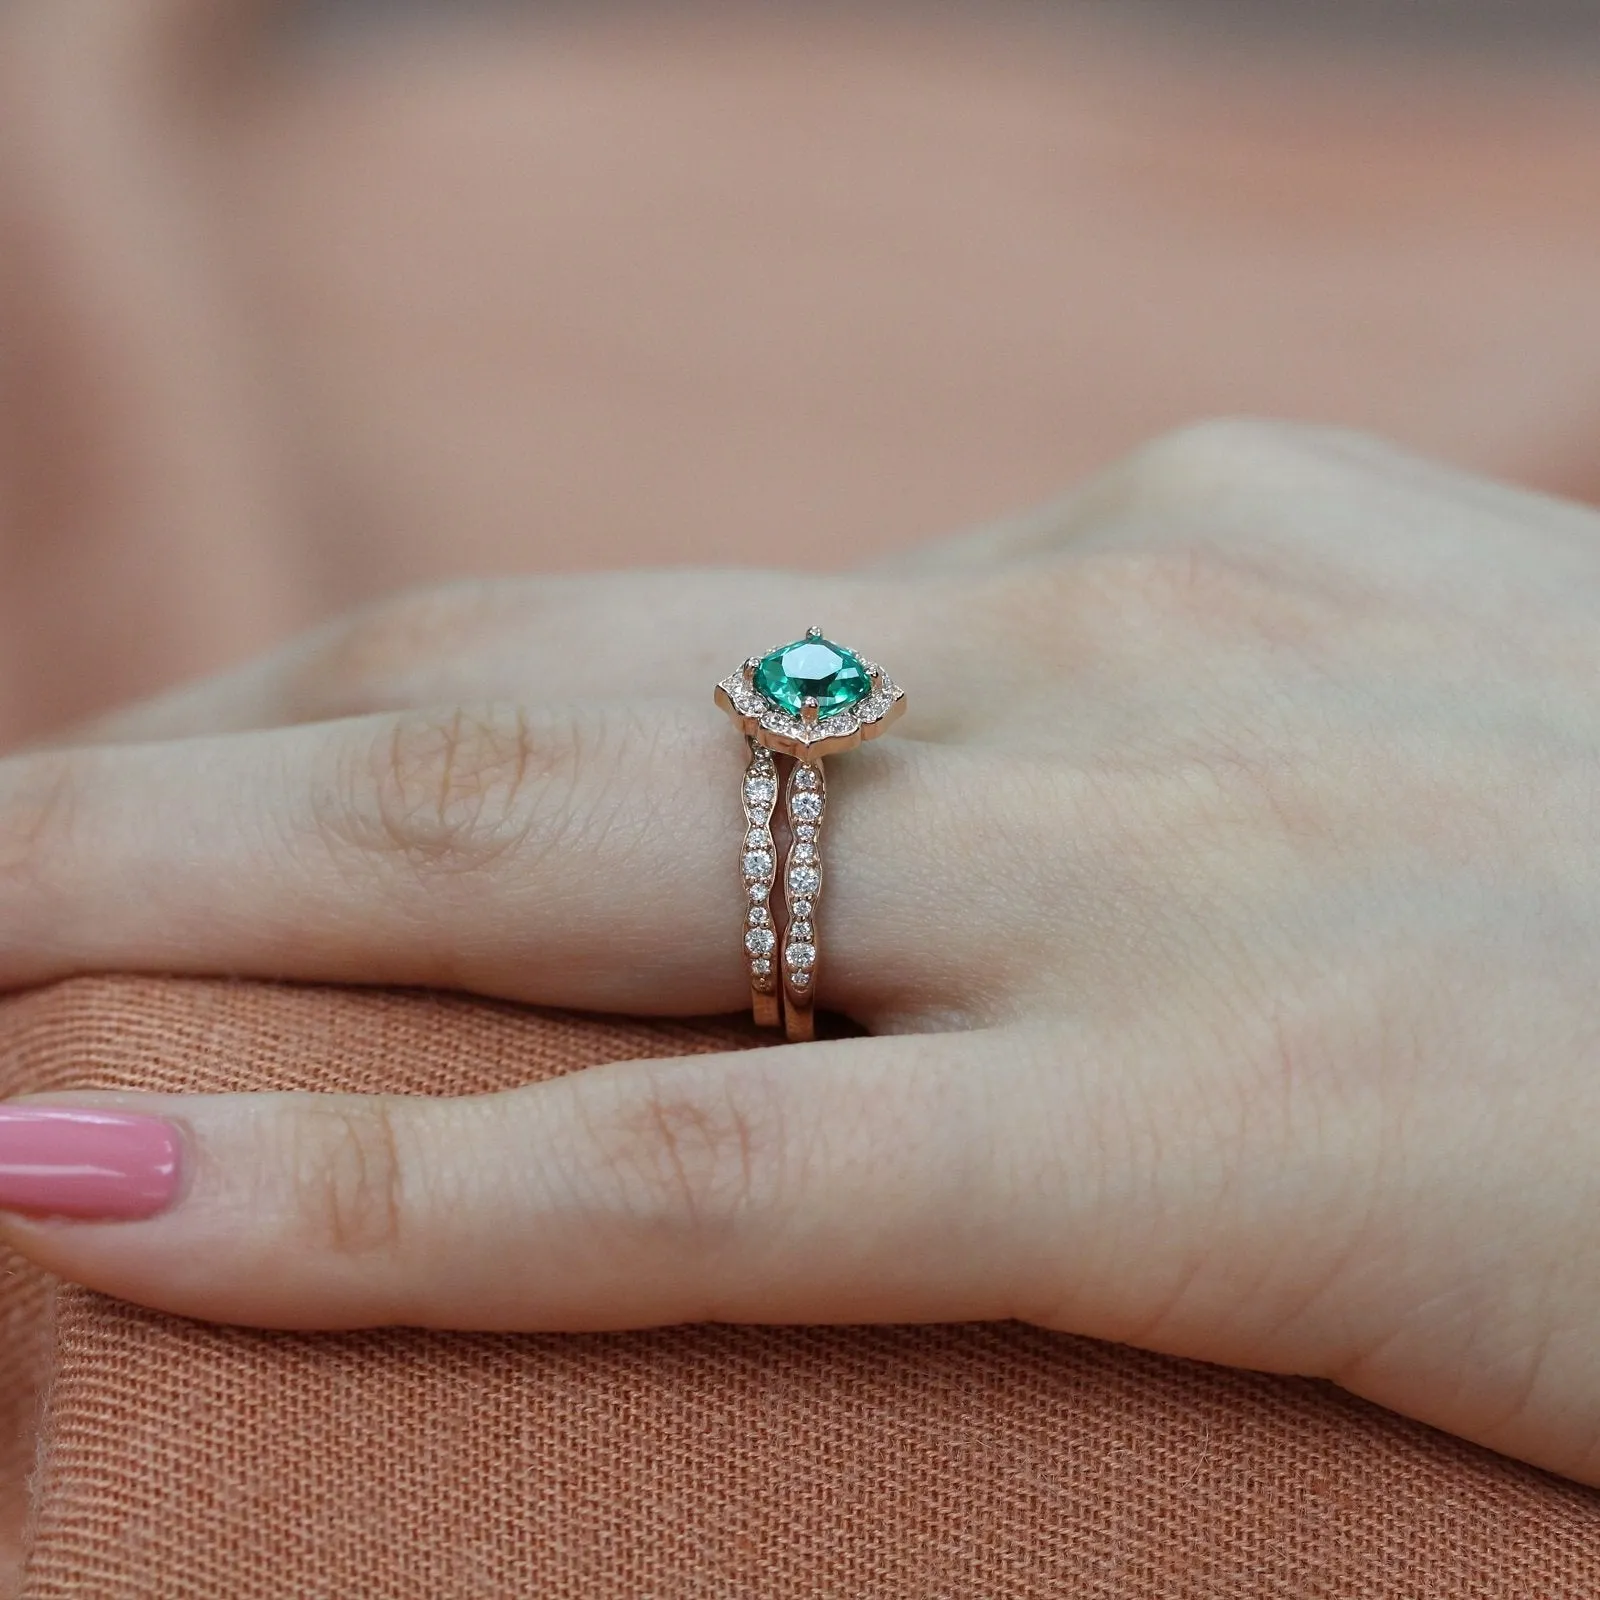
[1227, 907]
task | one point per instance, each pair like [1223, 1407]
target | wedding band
[802, 701]
[758, 864]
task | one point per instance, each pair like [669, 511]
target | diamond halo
[809, 736]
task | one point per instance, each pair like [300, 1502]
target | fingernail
[107, 1166]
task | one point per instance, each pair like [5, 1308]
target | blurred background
[303, 303]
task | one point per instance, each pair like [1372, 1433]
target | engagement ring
[803, 701]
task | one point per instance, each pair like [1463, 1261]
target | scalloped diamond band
[759, 864]
[803, 701]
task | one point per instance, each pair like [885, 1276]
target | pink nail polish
[108, 1166]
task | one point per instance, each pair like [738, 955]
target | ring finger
[581, 856]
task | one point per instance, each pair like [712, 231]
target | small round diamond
[761, 791]
[803, 854]
[801, 980]
[805, 834]
[759, 891]
[759, 916]
[762, 969]
[806, 807]
[800, 955]
[806, 778]
[756, 839]
[759, 941]
[757, 864]
[803, 880]
[802, 932]
[802, 910]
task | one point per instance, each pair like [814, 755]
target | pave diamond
[761, 791]
[872, 710]
[805, 807]
[759, 941]
[759, 916]
[760, 891]
[802, 933]
[804, 880]
[806, 778]
[805, 834]
[802, 910]
[801, 955]
[758, 864]
[804, 853]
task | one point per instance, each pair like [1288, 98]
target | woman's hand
[1227, 905]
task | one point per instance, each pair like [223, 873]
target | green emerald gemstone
[813, 669]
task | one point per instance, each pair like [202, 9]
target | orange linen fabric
[187, 1462]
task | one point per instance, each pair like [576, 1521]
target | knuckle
[1216, 456]
[348, 1185]
[685, 1154]
[447, 792]
[1238, 479]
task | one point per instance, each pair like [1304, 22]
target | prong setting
[801, 734]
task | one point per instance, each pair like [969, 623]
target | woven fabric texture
[195, 1463]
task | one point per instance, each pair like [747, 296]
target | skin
[1225, 911]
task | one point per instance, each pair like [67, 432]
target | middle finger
[593, 636]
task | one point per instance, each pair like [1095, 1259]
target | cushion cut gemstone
[813, 669]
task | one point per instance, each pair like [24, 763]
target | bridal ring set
[800, 703]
